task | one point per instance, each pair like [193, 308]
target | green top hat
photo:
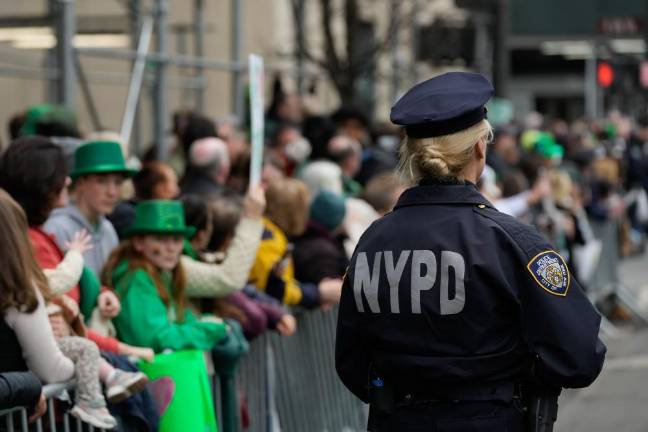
[97, 157]
[160, 217]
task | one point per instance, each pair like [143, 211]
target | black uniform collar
[435, 191]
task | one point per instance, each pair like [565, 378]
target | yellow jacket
[275, 250]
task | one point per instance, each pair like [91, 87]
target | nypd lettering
[550, 272]
[424, 269]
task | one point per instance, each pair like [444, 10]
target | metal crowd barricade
[605, 280]
[8, 419]
[290, 383]
[606, 277]
[15, 419]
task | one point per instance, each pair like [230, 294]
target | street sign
[255, 66]
[582, 19]
[620, 26]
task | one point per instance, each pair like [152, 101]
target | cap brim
[187, 232]
[104, 169]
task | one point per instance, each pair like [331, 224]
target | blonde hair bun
[442, 156]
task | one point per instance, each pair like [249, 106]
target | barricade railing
[15, 419]
[605, 280]
[605, 276]
[290, 383]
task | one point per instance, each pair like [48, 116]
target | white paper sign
[255, 65]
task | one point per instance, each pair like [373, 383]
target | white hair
[209, 154]
[322, 175]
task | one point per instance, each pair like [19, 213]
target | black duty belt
[504, 392]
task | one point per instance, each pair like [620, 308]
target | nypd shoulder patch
[549, 270]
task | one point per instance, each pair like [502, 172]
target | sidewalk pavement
[618, 399]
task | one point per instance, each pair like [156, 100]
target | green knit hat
[160, 217]
[328, 210]
[98, 157]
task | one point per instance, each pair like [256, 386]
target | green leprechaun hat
[97, 157]
[160, 217]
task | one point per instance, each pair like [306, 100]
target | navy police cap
[443, 105]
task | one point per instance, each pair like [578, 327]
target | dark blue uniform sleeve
[19, 389]
[352, 356]
[559, 324]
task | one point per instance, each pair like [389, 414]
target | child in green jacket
[146, 273]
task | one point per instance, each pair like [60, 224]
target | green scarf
[90, 288]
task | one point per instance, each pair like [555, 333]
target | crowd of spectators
[149, 256]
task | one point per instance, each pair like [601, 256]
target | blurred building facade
[404, 53]
[28, 73]
[541, 55]
[556, 50]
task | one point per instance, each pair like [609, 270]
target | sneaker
[96, 415]
[124, 384]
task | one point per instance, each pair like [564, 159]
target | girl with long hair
[24, 292]
[33, 171]
[146, 272]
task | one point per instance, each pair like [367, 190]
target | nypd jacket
[446, 289]
[19, 389]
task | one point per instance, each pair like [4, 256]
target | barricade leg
[226, 356]
[23, 419]
[51, 414]
[66, 422]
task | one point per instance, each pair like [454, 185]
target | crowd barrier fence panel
[291, 385]
[606, 281]
[252, 379]
[15, 419]
[606, 276]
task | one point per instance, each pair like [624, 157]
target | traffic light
[605, 74]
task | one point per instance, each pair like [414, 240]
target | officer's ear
[480, 149]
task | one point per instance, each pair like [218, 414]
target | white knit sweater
[66, 274]
[219, 280]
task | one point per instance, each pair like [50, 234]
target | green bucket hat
[97, 157]
[160, 217]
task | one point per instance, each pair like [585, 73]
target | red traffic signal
[605, 74]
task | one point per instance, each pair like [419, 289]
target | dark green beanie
[328, 210]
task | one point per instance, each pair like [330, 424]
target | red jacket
[49, 255]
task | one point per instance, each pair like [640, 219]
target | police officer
[452, 312]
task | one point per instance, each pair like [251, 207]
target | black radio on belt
[381, 395]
